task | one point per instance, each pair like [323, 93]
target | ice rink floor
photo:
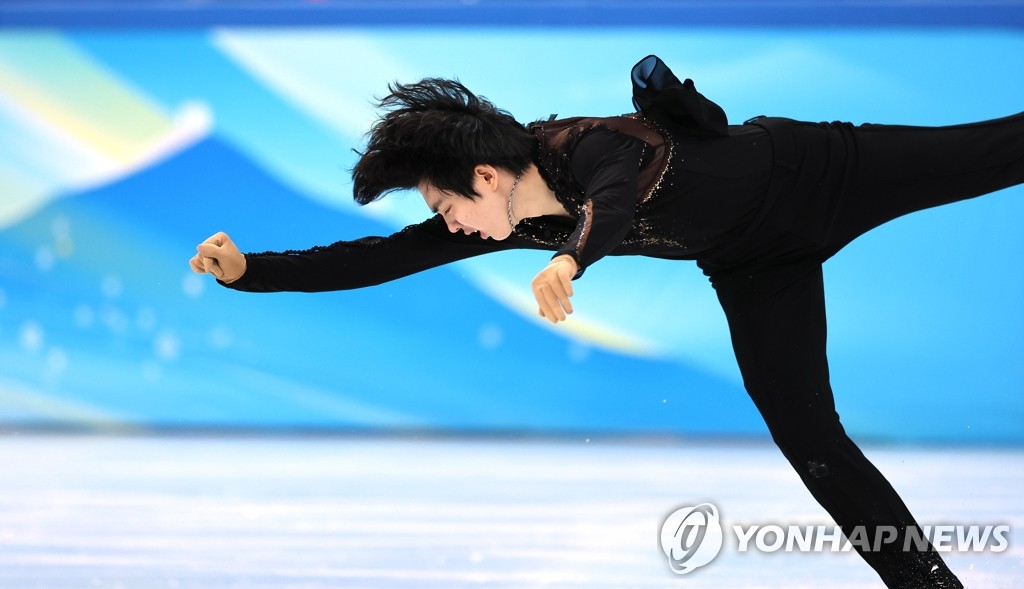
[307, 512]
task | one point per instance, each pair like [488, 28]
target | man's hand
[553, 287]
[219, 256]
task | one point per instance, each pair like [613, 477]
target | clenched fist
[219, 256]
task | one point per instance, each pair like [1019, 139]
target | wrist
[571, 261]
[240, 274]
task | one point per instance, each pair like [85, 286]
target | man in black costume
[758, 206]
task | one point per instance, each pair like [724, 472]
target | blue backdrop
[130, 132]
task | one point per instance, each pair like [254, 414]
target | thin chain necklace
[511, 197]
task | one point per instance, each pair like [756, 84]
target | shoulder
[561, 140]
[561, 134]
[605, 144]
[570, 151]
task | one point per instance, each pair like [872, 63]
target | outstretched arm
[343, 265]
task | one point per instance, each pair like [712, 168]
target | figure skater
[759, 206]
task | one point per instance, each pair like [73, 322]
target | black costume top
[680, 187]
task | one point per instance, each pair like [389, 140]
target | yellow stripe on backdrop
[51, 79]
[75, 124]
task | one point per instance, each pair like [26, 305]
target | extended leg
[894, 170]
[777, 322]
[836, 181]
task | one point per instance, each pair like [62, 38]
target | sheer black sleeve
[605, 164]
[364, 262]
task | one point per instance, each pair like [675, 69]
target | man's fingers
[560, 293]
[196, 263]
[559, 303]
[564, 283]
[218, 255]
[567, 305]
[543, 306]
[562, 297]
[552, 288]
[553, 307]
[219, 238]
[213, 267]
[209, 250]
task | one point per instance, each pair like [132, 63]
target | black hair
[437, 131]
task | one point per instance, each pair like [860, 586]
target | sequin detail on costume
[557, 140]
[667, 158]
[367, 242]
[553, 161]
[587, 213]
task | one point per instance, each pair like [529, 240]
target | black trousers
[833, 182]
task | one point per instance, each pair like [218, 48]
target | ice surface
[207, 512]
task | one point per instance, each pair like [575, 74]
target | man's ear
[486, 174]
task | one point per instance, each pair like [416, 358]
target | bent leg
[777, 322]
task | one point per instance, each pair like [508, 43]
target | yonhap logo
[691, 537]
